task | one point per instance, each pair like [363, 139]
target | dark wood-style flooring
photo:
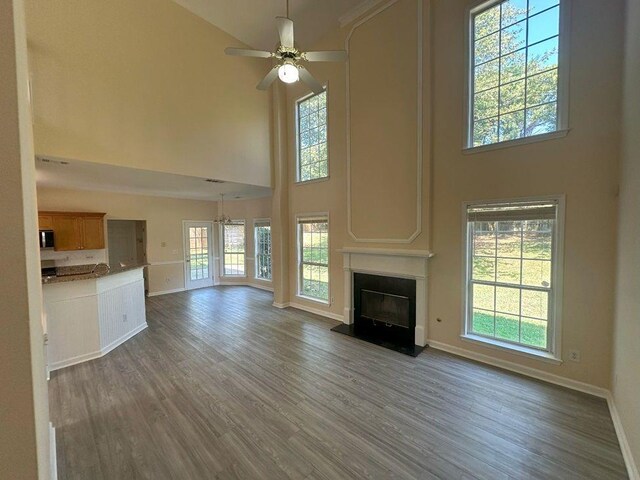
[222, 385]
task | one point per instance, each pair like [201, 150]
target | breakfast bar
[86, 315]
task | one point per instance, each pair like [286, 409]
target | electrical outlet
[124, 317]
[574, 355]
[332, 300]
[168, 280]
[163, 244]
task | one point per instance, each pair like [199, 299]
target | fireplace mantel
[393, 263]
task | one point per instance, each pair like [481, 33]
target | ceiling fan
[288, 65]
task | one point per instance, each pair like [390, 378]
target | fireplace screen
[384, 307]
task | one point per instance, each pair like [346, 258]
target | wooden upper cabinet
[92, 233]
[45, 222]
[66, 233]
[75, 230]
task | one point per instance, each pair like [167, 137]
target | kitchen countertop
[89, 276]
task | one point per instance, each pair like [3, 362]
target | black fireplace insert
[384, 312]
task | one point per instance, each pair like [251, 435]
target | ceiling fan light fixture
[288, 73]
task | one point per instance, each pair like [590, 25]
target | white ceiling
[253, 21]
[74, 174]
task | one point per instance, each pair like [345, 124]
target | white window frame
[563, 82]
[321, 216]
[222, 246]
[297, 131]
[262, 222]
[554, 352]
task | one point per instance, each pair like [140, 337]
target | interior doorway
[127, 244]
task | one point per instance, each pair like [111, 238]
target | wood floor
[222, 385]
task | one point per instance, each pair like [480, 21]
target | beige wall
[626, 353]
[164, 218]
[331, 195]
[249, 211]
[24, 410]
[146, 84]
[583, 166]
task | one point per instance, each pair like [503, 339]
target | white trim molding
[244, 284]
[420, 107]
[169, 262]
[627, 454]
[517, 368]
[316, 311]
[357, 11]
[395, 264]
[53, 467]
[281, 305]
[165, 292]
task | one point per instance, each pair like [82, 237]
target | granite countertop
[86, 272]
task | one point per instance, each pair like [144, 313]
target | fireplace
[385, 297]
[384, 312]
[384, 309]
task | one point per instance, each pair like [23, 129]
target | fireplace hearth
[384, 312]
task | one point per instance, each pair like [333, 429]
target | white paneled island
[87, 316]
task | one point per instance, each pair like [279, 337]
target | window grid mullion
[495, 288]
[499, 85]
[521, 263]
[526, 71]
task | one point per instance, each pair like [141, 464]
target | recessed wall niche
[384, 121]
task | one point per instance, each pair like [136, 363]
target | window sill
[315, 180]
[511, 348]
[233, 276]
[514, 143]
[311, 299]
[266, 280]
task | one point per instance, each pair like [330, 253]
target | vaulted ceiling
[252, 21]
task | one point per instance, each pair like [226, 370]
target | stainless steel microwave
[46, 239]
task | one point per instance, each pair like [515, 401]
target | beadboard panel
[120, 310]
[72, 329]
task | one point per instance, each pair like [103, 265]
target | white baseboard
[165, 292]
[281, 305]
[317, 311]
[246, 284]
[528, 371]
[53, 458]
[100, 353]
[122, 339]
[261, 287]
[632, 468]
[75, 360]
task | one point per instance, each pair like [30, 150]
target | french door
[198, 243]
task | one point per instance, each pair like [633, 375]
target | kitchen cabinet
[92, 233]
[75, 230]
[45, 222]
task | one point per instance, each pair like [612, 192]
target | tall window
[233, 246]
[512, 263]
[313, 157]
[514, 70]
[313, 258]
[263, 249]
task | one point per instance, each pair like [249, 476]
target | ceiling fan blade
[285, 30]
[268, 79]
[243, 52]
[306, 77]
[326, 56]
